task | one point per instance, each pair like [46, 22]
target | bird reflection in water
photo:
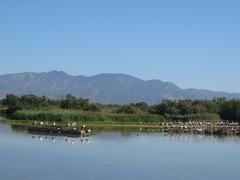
[66, 140]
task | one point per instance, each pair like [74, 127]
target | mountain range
[103, 88]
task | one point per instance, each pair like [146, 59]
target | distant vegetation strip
[86, 117]
[70, 108]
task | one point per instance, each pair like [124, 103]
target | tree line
[33, 102]
[214, 109]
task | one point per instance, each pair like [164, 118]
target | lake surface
[116, 154]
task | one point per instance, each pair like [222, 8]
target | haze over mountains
[103, 88]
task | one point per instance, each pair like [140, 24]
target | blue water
[115, 156]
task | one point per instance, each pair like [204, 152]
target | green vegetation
[188, 110]
[59, 115]
[70, 108]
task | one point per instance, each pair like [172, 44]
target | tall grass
[91, 117]
[194, 117]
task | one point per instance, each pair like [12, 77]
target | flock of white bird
[66, 139]
[73, 125]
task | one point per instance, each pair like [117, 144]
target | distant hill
[104, 88]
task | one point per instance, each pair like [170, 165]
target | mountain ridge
[105, 88]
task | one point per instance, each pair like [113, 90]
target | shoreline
[96, 124]
[205, 128]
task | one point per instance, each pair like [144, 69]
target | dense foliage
[83, 116]
[226, 109]
[185, 110]
[33, 102]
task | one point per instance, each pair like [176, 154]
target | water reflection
[117, 153]
[18, 128]
[55, 139]
[114, 132]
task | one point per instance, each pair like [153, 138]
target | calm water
[117, 155]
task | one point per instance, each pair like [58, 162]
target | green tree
[12, 102]
[127, 109]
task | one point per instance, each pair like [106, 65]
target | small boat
[57, 131]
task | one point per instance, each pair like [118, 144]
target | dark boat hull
[56, 131]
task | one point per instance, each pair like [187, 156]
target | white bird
[53, 140]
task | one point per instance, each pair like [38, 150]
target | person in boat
[82, 130]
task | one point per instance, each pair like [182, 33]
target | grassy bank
[59, 115]
[62, 116]
[28, 123]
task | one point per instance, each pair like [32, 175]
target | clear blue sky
[193, 43]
